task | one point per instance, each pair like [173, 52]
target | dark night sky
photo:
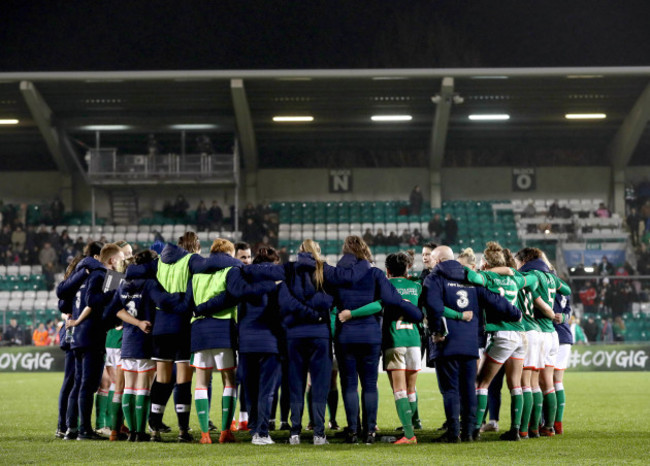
[67, 35]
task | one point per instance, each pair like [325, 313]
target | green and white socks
[228, 406]
[202, 408]
[142, 397]
[115, 409]
[527, 409]
[481, 405]
[413, 400]
[516, 407]
[550, 407]
[536, 416]
[128, 408]
[404, 412]
[101, 403]
[561, 401]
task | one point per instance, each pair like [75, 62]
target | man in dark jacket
[457, 341]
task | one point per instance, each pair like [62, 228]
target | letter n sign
[340, 181]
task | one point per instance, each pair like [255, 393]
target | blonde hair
[467, 255]
[493, 255]
[312, 247]
[108, 251]
[222, 245]
[356, 246]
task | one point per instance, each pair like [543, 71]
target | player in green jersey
[534, 261]
[401, 345]
[507, 340]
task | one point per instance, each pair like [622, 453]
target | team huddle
[293, 328]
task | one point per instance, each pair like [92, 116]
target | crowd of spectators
[42, 334]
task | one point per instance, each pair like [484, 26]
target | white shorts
[138, 365]
[562, 360]
[113, 357]
[551, 347]
[506, 344]
[215, 358]
[403, 358]
[533, 359]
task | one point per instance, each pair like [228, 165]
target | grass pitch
[607, 420]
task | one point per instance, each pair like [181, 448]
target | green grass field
[607, 421]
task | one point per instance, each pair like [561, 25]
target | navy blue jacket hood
[172, 253]
[535, 264]
[451, 270]
[89, 263]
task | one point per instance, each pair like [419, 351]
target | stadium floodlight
[106, 127]
[293, 119]
[490, 117]
[585, 116]
[190, 127]
[391, 118]
[9, 121]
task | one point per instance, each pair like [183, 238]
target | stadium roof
[55, 109]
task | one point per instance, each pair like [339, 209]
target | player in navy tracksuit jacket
[358, 341]
[66, 291]
[88, 342]
[259, 333]
[457, 340]
[305, 315]
[217, 286]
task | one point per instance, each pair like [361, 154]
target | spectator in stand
[47, 255]
[215, 216]
[18, 238]
[618, 328]
[591, 329]
[153, 147]
[579, 337]
[5, 238]
[451, 230]
[380, 239]
[392, 239]
[250, 212]
[416, 238]
[42, 237]
[633, 220]
[49, 272]
[65, 239]
[415, 200]
[56, 211]
[369, 238]
[645, 211]
[435, 228]
[606, 331]
[14, 334]
[643, 261]
[67, 256]
[529, 211]
[79, 245]
[604, 267]
[605, 298]
[630, 195]
[41, 337]
[405, 238]
[554, 210]
[180, 207]
[603, 211]
[251, 231]
[588, 295]
[202, 216]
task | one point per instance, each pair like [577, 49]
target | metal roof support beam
[188, 75]
[439, 138]
[624, 144]
[246, 136]
[42, 115]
